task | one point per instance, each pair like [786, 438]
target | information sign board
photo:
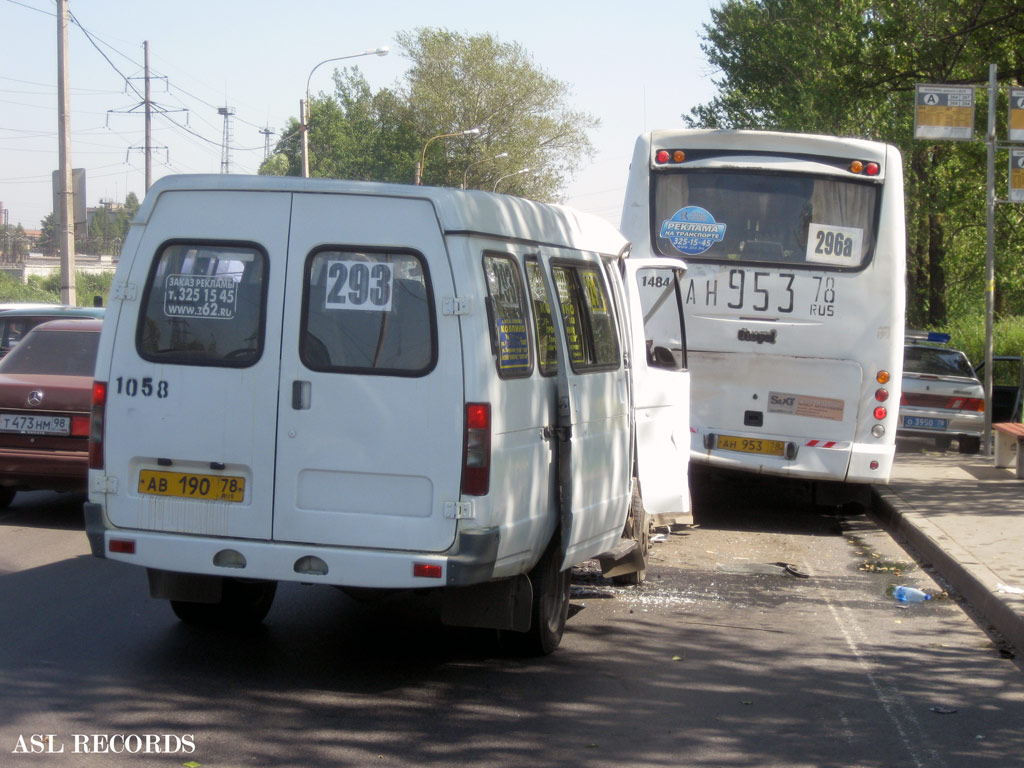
[1015, 122]
[1017, 175]
[944, 112]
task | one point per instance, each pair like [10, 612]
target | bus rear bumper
[811, 459]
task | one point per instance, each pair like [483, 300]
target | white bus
[794, 293]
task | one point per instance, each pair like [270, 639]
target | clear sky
[633, 67]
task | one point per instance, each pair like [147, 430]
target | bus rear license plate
[923, 422]
[186, 485]
[751, 445]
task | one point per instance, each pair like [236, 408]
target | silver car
[942, 398]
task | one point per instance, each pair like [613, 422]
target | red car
[45, 397]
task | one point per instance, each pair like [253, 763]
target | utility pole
[267, 133]
[149, 123]
[65, 223]
[225, 149]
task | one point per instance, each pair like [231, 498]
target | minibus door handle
[302, 393]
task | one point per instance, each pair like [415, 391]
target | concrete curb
[973, 580]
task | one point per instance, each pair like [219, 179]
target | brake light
[881, 395]
[868, 169]
[669, 156]
[476, 457]
[880, 413]
[96, 417]
[975, 404]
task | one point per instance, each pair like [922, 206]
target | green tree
[850, 69]
[455, 83]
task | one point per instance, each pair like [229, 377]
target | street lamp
[304, 106]
[421, 166]
[465, 176]
[508, 176]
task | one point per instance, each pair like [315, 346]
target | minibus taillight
[476, 457]
[99, 405]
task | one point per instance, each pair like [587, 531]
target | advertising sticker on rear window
[828, 244]
[692, 230]
[359, 285]
[200, 296]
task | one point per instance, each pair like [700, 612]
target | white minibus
[383, 387]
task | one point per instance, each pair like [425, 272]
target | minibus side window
[204, 304]
[547, 352]
[590, 326]
[510, 336]
[605, 353]
[368, 312]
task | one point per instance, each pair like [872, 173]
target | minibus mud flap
[504, 604]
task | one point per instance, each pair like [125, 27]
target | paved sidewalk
[967, 518]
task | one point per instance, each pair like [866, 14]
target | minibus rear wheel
[549, 610]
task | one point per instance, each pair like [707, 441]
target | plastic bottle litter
[910, 595]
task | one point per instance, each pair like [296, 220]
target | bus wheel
[242, 603]
[549, 610]
[637, 528]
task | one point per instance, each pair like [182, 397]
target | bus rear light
[873, 465]
[476, 458]
[122, 546]
[882, 377]
[877, 431]
[881, 395]
[663, 156]
[871, 169]
[96, 417]
[856, 166]
[880, 412]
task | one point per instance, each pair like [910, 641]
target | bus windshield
[762, 217]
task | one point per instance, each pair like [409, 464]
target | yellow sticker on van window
[595, 294]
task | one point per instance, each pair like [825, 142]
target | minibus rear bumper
[471, 561]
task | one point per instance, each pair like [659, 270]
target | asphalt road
[724, 658]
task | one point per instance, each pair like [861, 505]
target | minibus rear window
[368, 312]
[204, 304]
